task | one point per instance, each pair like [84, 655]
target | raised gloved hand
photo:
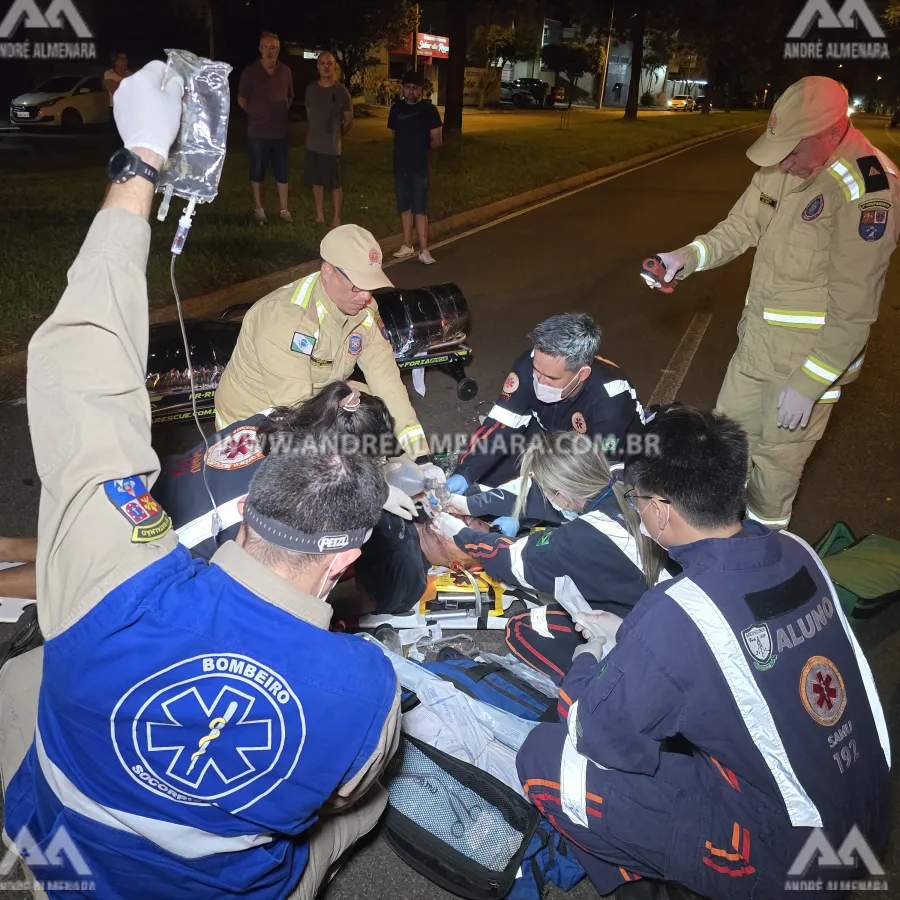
[507, 525]
[597, 625]
[400, 504]
[673, 262]
[793, 408]
[447, 525]
[594, 647]
[459, 505]
[148, 114]
[456, 484]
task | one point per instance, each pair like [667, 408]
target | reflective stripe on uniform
[321, 312]
[369, 320]
[200, 529]
[620, 536]
[304, 290]
[702, 253]
[221, 424]
[886, 162]
[750, 702]
[507, 418]
[180, 840]
[539, 621]
[614, 388]
[411, 434]
[830, 396]
[801, 318]
[573, 777]
[864, 670]
[769, 523]
[856, 365]
[517, 564]
[818, 370]
[842, 172]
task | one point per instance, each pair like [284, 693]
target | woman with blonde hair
[600, 550]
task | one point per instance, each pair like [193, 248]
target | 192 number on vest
[848, 755]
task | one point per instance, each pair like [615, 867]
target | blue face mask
[568, 514]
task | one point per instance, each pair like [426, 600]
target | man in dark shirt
[417, 128]
[266, 93]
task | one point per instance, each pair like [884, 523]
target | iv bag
[195, 161]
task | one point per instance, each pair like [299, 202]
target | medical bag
[865, 571]
[455, 824]
[548, 860]
[494, 685]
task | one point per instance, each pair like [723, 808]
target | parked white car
[66, 101]
[681, 101]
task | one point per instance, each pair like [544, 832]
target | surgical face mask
[568, 514]
[547, 394]
[661, 530]
[319, 595]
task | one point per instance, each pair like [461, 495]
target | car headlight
[45, 103]
[669, 103]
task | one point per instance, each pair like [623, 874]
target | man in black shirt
[417, 128]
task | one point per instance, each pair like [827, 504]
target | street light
[878, 78]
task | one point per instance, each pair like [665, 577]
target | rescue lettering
[840, 734]
[807, 626]
[250, 672]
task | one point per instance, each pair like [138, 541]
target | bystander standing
[111, 79]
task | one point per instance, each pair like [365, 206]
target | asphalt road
[584, 253]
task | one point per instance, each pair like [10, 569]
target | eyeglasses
[631, 496]
[353, 287]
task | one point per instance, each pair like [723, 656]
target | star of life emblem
[758, 641]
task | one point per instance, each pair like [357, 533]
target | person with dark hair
[216, 737]
[559, 385]
[746, 658]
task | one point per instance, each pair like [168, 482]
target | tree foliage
[493, 46]
[574, 60]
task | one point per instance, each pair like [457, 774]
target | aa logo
[59, 853]
[821, 14]
[852, 853]
[52, 18]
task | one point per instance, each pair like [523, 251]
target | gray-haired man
[560, 385]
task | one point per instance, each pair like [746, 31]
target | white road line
[673, 374]
[547, 202]
[888, 133]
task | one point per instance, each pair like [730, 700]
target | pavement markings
[888, 133]
[673, 374]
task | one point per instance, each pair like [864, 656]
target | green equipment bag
[865, 571]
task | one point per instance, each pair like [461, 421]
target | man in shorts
[266, 93]
[417, 128]
[329, 111]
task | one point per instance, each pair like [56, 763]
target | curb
[210, 305]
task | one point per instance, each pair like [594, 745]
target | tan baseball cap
[806, 108]
[356, 253]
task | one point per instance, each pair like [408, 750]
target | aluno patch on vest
[303, 343]
[782, 598]
[873, 217]
[814, 208]
[131, 498]
[822, 690]
[758, 641]
[239, 449]
[873, 174]
[769, 201]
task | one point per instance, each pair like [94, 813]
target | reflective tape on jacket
[820, 371]
[573, 777]
[830, 396]
[620, 536]
[517, 563]
[303, 290]
[411, 434]
[200, 529]
[856, 365]
[508, 418]
[748, 698]
[539, 621]
[790, 318]
[180, 840]
[769, 523]
[842, 172]
[702, 253]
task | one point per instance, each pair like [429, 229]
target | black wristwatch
[124, 165]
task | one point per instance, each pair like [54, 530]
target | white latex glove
[673, 262]
[447, 525]
[598, 625]
[458, 504]
[594, 647]
[400, 504]
[148, 115]
[793, 408]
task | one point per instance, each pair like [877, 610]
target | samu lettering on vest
[808, 626]
[840, 734]
[265, 679]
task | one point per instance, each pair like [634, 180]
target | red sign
[433, 45]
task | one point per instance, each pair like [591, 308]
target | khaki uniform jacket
[823, 247]
[89, 416]
[295, 341]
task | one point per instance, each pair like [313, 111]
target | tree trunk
[456, 70]
[727, 97]
[636, 35]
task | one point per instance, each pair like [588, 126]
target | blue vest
[188, 733]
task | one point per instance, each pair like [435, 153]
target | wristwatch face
[120, 164]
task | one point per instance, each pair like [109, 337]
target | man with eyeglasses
[314, 331]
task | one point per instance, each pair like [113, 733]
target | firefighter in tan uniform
[314, 331]
[820, 213]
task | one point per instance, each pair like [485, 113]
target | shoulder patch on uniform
[511, 385]
[303, 343]
[873, 217]
[545, 538]
[578, 423]
[133, 501]
[238, 449]
[769, 201]
[814, 208]
[873, 174]
[355, 344]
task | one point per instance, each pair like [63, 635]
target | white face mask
[547, 394]
[661, 530]
[324, 582]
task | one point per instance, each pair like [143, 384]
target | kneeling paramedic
[160, 732]
[747, 656]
